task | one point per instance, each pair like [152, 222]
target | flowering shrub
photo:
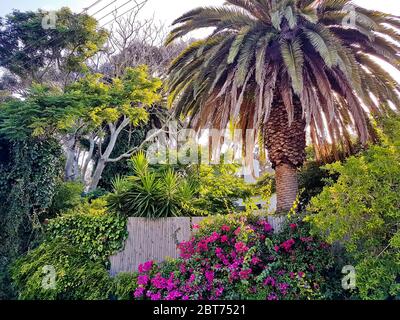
[239, 257]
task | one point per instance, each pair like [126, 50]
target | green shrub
[29, 171]
[219, 188]
[78, 245]
[97, 233]
[313, 177]
[151, 194]
[362, 211]
[68, 195]
[123, 286]
[76, 276]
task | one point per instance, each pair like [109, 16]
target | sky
[162, 10]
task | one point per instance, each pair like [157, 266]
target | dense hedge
[77, 245]
[362, 211]
[29, 172]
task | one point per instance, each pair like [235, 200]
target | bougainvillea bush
[240, 257]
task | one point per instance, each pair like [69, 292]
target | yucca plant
[150, 193]
[288, 68]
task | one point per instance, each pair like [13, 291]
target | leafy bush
[166, 191]
[76, 277]
[29, 171]
[219, 187]
[313, 177]
[123, 286]
[97, 233]
[68, 195]
[362, 211]
[241, 258]
[78, 245]
[151, 194]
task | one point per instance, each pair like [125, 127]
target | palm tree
[289, 69]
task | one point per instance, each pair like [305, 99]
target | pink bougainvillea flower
[143, 280]
[139, 292]
[192, 278]
[219, 291]
[267, 227]
[276, 248]
[159, 282]
[217, 267]
[214, 237]
[283, 288]
[241, 247]
[307, 239]
[237, 231]
[156, 296]
[281, 272]
[293, 226]
[301, 274]
[225, 228]
[224, 239]
[245, 274]
[272, 296]
[270, 281]
[255, 260]
[210, 276]
[196, 226]
[146, 267]
[287, 245]
[173, 295]
[219, 253]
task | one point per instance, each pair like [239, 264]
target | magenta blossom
[267, 227]
[224, 239]
[210, 276]
[283, 288]
[255, 260]
[245, 274]
[139, 292]
[269, 281]
[272, 296]
[287, 245]
[225, 228]
[146, 267]
[237, 231]
[143, 280]
[156, 296]
[241, 247]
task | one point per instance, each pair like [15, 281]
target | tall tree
[32, 53]
[95, 108]
[285, 68]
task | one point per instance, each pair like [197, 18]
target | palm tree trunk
[286, 186]
[286, 150]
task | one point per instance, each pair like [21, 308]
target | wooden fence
[157, 240]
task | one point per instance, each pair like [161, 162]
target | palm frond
[292, 55]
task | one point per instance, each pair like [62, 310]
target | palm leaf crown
[302, 50]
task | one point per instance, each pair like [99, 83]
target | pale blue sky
[165, 10]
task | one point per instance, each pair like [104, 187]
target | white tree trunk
[71, 165]
[104, 158]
